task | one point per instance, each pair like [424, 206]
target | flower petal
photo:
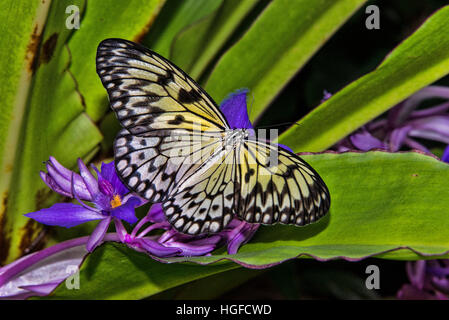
[445, 156]
[283, 146]
[416, 272]
[108, 172]
[363, 140]
[57, 180]
[157, 249]
[191, 250]
[242, 237]
[126, 210]
[156, 213]
[89, 179]
[400, 113]
[235, 111]
[397, 137]
[65, 215]
[98, 234]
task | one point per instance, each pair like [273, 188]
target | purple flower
[109, 196]
[428, 280]
[404, 124]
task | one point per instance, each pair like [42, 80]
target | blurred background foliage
[54, 104]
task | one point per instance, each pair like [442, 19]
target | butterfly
[177, 148]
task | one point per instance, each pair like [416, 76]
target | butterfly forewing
[149, 94]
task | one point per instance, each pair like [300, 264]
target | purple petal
[415, 145]
[126, 210]
[41, 289]
[191, 250]
[157, 249]
[283, 146]
[60, 180]
[65, 215]
[409, 292]
[436, 268]
[98, 234]
[432, 128]
[441, 284]
[235, 110]
[156, 213]
[416, 272]
[40, 272]
[105, 187]
[364, 141]
[403, 110]
[439, 109]
[89, 180]
[108, 172]
[397, 137]
[326, 96]
[53, 185]
[242, 237]
[445, 156]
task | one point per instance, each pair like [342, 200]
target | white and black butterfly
[177, 148]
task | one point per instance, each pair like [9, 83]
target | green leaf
[194, 47]
[55, 119]
[175, 16]
[19, 49]
[114, 271]
[418, 61]
[281, 40]
[379, 202]
[106, 19]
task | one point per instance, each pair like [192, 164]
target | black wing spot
[188, 96]
[165, 79]
[177, 120]
[249, 174]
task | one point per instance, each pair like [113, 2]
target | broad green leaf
[281, 40]
[106, 19]
[382, 204]
[420, 60]
[174, 17]
[379, 202]
[195, 47]
[55, 120]
[17, 57]
[113, 271]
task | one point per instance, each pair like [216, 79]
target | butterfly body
[176, 147]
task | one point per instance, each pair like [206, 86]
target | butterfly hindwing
[204, 203]
[276, 186]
